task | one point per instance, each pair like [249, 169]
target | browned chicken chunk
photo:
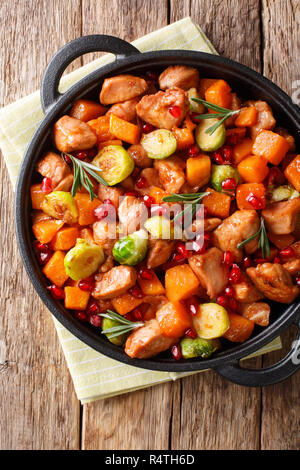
[212, 273]
[115, 282]
[281, 217]
[155, 109]
[139, 156]
[72, 134]
[122, 88]
[132, 214]
[265, 118]
[285, 133]
[179, 76]
[54, 167]
[246, 292]
[147, 341]
[105, 234]
[112, 193]
[235, 229]
[274, 282]
[293, 266]
[152, 178]
[125, 110]
[159, 252]
[258, 312]
[171, 173]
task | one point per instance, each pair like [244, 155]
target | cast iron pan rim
[82, 87]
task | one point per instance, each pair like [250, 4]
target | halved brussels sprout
[211, 321]
[194, 106]
[132, 249]
[159, 144]
[283, 193]
[199, 347]
[160, 227]
[115, 162]
[210, 143]
[83, 259]
[117, 340]
[60, 205]
[219, 173]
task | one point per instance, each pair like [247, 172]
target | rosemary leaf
[124, 326]
[219, 113]
[191, 198]
[263, 242]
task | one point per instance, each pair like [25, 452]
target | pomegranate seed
[235, 274]
[146, 128]
[141, 182]
[232, 304]
[86, 284]
[132, 193]
[137, 314]
[222, 300]
[159, 210]
[152, 76]
[91, 153]
[176, 260]
[193, 117]
[228, 258]
[103, 211]
[178, 257]
[192, 306]
[190, 333]
[227, 154]
[136, 292]
[229, 183]
[260, 260]
[67, 159]
[175, 111]
[275, 176]
[43, 257]
[277, 260]
[46, 185]
[81, 316]
[92, 308]
[286, 253]
[176, 352]
[56, 292]
[180, 247]
[297, 280]
[229, 291]
[193, 151]
[95, 320]
[108, 201]
[80, 154]
[256, 202]
[247, 262]
[146, 273]
[217, 158]
[41, 246]
[148, 200]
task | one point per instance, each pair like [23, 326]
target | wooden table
[38, 406]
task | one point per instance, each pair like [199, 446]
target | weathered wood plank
[281, 53]
[38, 407]
[138, 420]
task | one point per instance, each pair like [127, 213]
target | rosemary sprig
[193, 199]
[263, 243]
[81, 171]
[125, 326]
[220, 112]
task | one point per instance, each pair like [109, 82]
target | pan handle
[268, 376]
[70, 52]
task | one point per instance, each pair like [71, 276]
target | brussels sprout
[159, 144]
[194, 106]
[211, 321]
[210, 143]
[117, 340]
[83, 259]
[115, 162]
[132, 249]
[160, 227]
[198, 347]
[60, 205]
[283, 193]
[220, 173]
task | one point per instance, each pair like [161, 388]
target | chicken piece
[147, 341]
[235, 229]
[53, 166]
[212, 273]
[293, 266]
[265, 118]
[281, 217]
[128, 183]
[72, 134]
[155, 108]
[152, 178]
[205, 225]
[105, 305]
[235, 105]
[258, 312]
[112, 193]
[139, 156]
[122, 88]
[125, 110]
[284, 133]
[107, 265]
[132, 214]
[246, 292]
[274, 282]
[179, 76]
[115, 282]
[105, 234]
[171, 173]
[296, 248]
[152, 303]
[159, 252]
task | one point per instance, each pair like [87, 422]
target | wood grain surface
[38, 406]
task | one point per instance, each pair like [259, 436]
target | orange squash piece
[37, 196]
[100, 127]
[75, 298]
[158, 194]
[87, 234]
[124, 130]
[240, 328]
[173, 319]
[180, 282]
[243, 191]
[219, 93]
[65, 238]
[239, 132]
[184, 137]
[125, 303]
[151, 286]
[247, 117]
[253, 169]
[205, 83]
[271, 146]
[45, 230]
[217, 204]
[292, 172]
[188, 123]
[86, 110]
[198, 170]
[101, 145]
[242, 150]
[55, 269]
[86, 208]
